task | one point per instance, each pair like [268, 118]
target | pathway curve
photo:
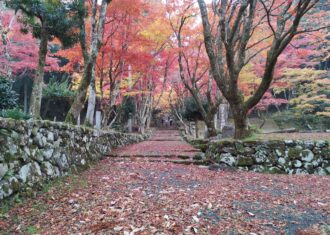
[135, 196]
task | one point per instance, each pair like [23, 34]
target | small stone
[48, 153]
[278, 152]
[328, 169]
[24, 172]
[320, 171]
[3, 169]
[309, 144]
[260, 156]
[321, 144]
[50, 137]
[258, 168]
[62, 162]
[316, 163]
[307, 155]
[281, 161]
[30, 172]
[289, 143]
[48, 168]
[275, 170]
[300, 172]
[297, 163]
[228, 159]
[308, 166]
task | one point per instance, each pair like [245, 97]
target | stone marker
[228, 131]
[98, 119]
[129, 123]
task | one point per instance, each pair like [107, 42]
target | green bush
[8, 97]
[57, 89]
[16, 114]
[301, 121]
[191, 110]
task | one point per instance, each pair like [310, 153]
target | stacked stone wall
[32, 152]
[276, 156]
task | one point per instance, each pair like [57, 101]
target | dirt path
[136, 196]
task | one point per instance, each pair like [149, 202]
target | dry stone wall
[32, 152]
[276, 156]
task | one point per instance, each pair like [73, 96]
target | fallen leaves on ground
[164, 198]
[142, 197]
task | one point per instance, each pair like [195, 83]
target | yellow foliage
[326, 114]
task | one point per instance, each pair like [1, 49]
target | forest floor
[132, 195]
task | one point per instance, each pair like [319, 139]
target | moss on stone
[293, 153]
[244, 161]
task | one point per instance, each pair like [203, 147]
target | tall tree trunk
[240, 120]
[211, 131]
[36, 95]
[114, 92]
[79, 102]
[89, 120]
[26, 110]
[89, 59]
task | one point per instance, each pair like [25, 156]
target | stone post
[223, 114]
[98, 120]
[129, 123]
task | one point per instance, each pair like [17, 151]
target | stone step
[181, 155]
[160, 159]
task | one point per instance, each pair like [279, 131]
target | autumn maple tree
[89, 52]
[230, 47]
[192, 61]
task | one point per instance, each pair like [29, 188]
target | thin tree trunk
[211, 131]
[36, 95]
[90, 60]
[89, 120]
[26, 110]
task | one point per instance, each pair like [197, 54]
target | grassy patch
[32, 230]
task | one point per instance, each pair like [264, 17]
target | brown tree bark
[190, 81]
[97, 28]
[36, 95]
[227, 48]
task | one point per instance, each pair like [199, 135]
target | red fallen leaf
[309, 232]
[101, 226]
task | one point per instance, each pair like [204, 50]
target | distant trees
[46, 20]
[192, 61]
[230, 46]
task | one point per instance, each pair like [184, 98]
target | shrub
[301, 121]
[15, 113]
[58, 89]
[8, 97]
